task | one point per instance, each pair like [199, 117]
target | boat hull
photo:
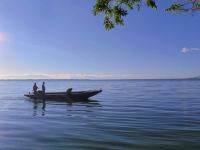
[77, 96]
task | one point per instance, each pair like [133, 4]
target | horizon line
[192, 78]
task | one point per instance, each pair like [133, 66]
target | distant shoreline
[98, 79]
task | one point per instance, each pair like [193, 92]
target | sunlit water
[135, 115]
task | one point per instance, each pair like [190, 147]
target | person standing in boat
[35, 87]
[43, 87]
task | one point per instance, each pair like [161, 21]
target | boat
[69, 95]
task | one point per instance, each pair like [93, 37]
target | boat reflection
[36, 103]
[41, 105]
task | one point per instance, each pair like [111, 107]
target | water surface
[128, 114]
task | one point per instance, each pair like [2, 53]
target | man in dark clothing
[35, 87]
[43, 87]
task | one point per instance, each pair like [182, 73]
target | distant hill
[195, 78]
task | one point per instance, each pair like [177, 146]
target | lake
[127, 115]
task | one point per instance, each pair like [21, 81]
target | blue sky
[62, 39]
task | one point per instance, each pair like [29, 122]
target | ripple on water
[135, 114]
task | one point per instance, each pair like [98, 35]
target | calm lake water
[130, 114]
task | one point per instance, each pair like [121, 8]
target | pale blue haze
[60, 37]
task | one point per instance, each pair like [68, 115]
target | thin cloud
[186, 50]
[57, 76]
[3, 38]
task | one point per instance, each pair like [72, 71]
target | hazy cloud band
[186, 50]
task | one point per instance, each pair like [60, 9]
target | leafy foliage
[116, 10]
